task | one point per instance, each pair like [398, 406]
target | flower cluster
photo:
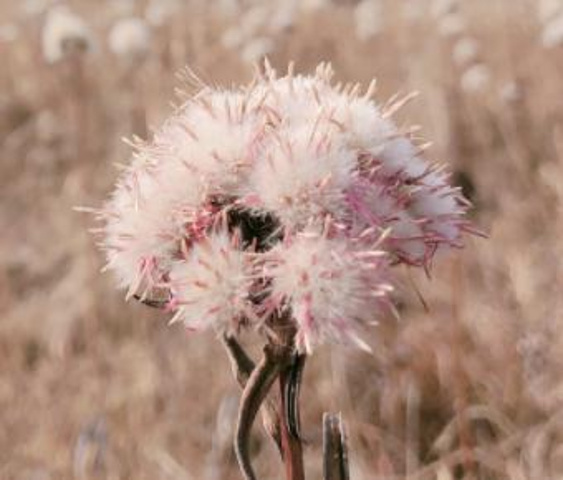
[292, 195]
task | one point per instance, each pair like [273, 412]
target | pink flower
[290, 194]
[211, 284]
[331, 285]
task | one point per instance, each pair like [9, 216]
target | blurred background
[467, 385]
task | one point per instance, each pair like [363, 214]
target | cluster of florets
[291, 195]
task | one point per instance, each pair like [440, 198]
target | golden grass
[93, 388]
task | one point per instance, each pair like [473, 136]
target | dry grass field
[469, 386]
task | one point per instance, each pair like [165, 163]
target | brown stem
[292, 393]
[291, 443]
[243, 366]
[279, 362]
[289, 379]
[335, 452]
[255, 391]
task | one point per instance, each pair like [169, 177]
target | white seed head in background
[233, 38]
[552, 34]
[451, 25]
[441, 8]
[254, 33]
[511, 92]
[256, 49]
[255, 19]
[64, 34]
[368, 19]
[547, 9]
[229, 8]
[283, 17]
[476, 78]
[130, 39]
[159, 12]
[413, 10]
[121, 8]
[465, 51]
[314, 5]
[32, 8]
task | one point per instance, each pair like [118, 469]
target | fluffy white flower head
[289, 197]
[329, 287]
[304, 176]
[211, 284]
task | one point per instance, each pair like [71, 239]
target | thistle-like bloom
[212, 284]
[331, 285]
[290, 197]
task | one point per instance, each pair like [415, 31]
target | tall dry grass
[470, 387]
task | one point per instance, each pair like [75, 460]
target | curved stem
[257, 387]
[243, 366]
[289, 382]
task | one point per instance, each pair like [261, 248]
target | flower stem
[335, 449]
[254, 394]
[291, 444]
